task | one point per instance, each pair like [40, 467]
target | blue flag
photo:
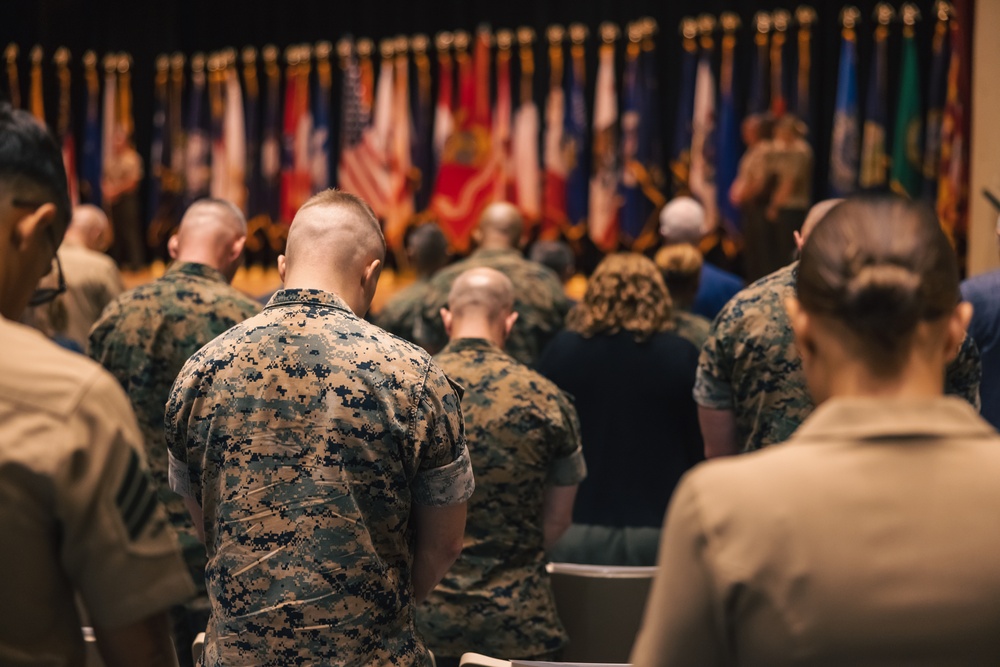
[680, 163]
[727, 136]
[574, 136]
[874, 160]
[158, 162]
[90, 163]
[319, 148]
[844, 141]
[633, 216]
[760, 72]
[197, 172]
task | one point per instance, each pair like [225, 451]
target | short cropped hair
[29, 154]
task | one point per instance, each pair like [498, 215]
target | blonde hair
[680, 265]
[625, 293]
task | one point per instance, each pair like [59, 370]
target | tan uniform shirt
[77, 510]
[92, 282]
[869, 538]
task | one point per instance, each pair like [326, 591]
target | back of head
[31, 165]
[682, 220]
[625, 293]
[815, 214]
[427, 248]
[557, 255]
[880, 266]
[90, 228]
[680, 265]
[790, 126]
[500, 225]
[481, 293]
[211, 232]
[334, 242]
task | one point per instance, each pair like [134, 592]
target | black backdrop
[146, 28]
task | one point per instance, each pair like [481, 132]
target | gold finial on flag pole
[323, 50]
[344, 49]
[386, 48]
[805, 16]
[555, 34]
[578, 33]
[884, 13]
[61, 57]
[443, 41]
[688, 27]
[609, 32]
[364, 47]
[910, 13]
[461, 40]
[780, 18]
[634, 31]
[762, 22]
[850, 16]
[648, 26]
[505, 39]
[400, 45]
[419, 44]
[525, 36]
[944, 10]
[730, 21]
[706, 25]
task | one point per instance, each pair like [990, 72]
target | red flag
[469, 164]
[526, 174]
[503, 190]
[400, 206]
[554, 215]
[952, 200]
[296, 179]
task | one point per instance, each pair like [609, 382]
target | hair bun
[881, 299]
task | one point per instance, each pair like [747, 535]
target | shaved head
[89, 227]
[335, 244]
[484, 293]
[816, 213]
[500, 224]
[212, 232]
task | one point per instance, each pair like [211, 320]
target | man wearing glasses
[77, 511]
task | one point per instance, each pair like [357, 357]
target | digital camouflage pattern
[144, 337]
[401, 314]
[539, 300]
[523, 434]
[306, 435]
[692, 328]
[750, 365]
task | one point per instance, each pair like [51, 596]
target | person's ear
[282, 265]
[447, 319]
[173, 245]
[958, 324]
[508, 324]
[799, 241]
[369, 279]
[237, 248]
[31, 227]
[801, 325]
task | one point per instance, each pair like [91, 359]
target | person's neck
[915, 381]
[352, 298]
[495, 244]
[478, 329]
[201, 258]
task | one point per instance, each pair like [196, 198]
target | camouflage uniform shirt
[692, 328]
[145, 336]
[523, 435]
[306, 435]
[539, 300]
[750, 365]
[401, 314]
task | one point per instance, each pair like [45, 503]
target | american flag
[361, 169]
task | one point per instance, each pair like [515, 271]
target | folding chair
[477, 660]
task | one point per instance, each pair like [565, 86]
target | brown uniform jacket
[869, 538]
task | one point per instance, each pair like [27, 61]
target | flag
[703, 139]
[650, 137]
[805, 17]
[444, 120]
[64, 125]
[844, 140]
[524, 143]
[197, 172]
[554, 160]
[156, 166]
[296, 180]
[779, 103]
[502, 120]
[604, 200]
[422, 155]
[90, 163]
[270, 143]
[218, 186]
[728, 146]
[251, 124]
[906, 150]
[937, 90]
[13, 80]
[873, 149]
[234, 137]
[574, 140]
[633, 213]
[465, 180]
[36, 93]
[108, 121]
[680, 164]
[952, 197]
[760, 65]
[319, 150]
[400, 207]
[175, 125]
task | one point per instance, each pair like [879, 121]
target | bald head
[427, 249]
[212, 232]
[89, 228]
[500, 226]
[480, 305]
[335, 244]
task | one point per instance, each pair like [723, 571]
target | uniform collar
[309, 297]
[472, 344]
[197, 270]
[885, 418]
[496, 252]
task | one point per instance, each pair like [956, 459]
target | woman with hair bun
[872, 536]
[631, 378]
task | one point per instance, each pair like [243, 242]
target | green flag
[907, 152]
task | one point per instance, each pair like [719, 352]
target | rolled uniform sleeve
[568, 467]
[713, 382]
[444, 475]
[182, 448]
[117, 545]
[964, 374]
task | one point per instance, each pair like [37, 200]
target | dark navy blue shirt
[716, 288]
[983, 292]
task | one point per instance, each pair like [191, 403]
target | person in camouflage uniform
[750, 389]
[539, 299]
[524, 442]
[427, 250]
[324, 459]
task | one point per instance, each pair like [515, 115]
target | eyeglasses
[44, 295]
